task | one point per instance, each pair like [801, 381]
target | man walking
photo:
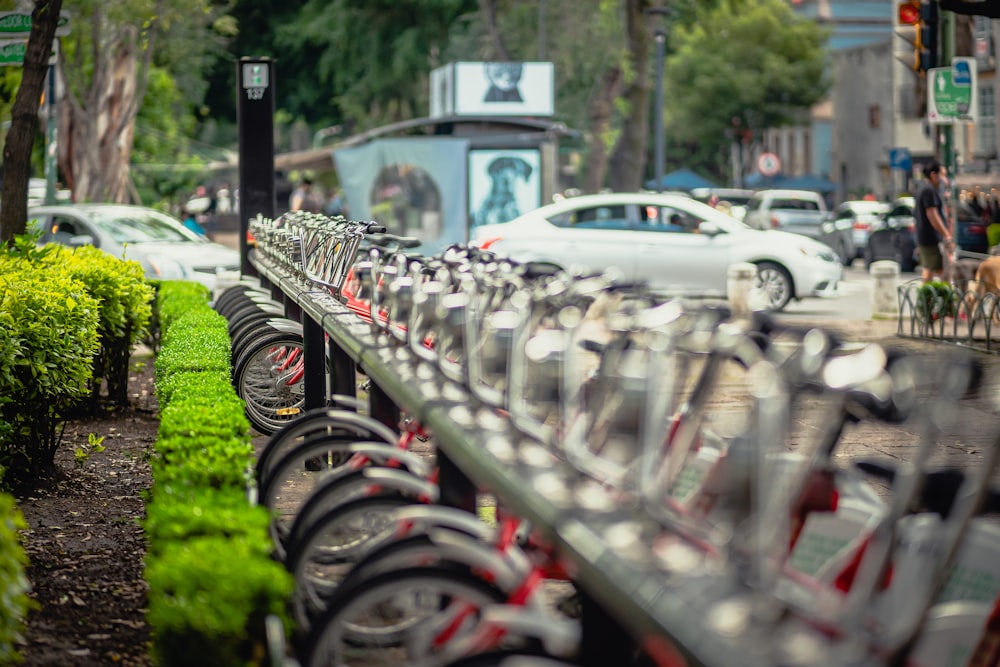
[932, 231]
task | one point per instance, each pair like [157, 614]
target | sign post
[952, 93]
[255, 126]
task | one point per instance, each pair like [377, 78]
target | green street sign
[12, 52]
[951, 93]
[16, 24]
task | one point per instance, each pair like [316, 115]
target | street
[854, 302]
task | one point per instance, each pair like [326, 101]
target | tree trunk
[629, 158]
[99, 123]
[488, 8]
[601, 112]
[24, 120]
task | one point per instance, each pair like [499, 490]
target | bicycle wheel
[253, 336]
[334, 546]
[329, 422]
[395, 617]
[509, 659]
[335, 490]
[267, 379]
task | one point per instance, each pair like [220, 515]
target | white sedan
[675, 244]
[166, 249]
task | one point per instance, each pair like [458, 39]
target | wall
[863, 113]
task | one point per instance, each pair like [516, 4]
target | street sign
[900, 158]
[17, 24]
[768, 164]
[12, 52]
[951, 93]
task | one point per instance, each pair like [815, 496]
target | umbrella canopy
[682, 179]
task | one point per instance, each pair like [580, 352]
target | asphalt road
[853, 303]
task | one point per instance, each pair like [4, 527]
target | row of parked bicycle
[701, 451]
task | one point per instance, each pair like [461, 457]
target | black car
[894, 237]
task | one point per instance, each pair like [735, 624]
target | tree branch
[488, 8]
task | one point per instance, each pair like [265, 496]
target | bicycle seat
[940, 487]
[387, 240]
[375, 228]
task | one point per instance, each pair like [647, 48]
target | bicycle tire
[317, 567]
[253, 325]
[510, 658]
[331, 422]
[231, 294]
[333, 491]
[340, 635]
[248, 319]
[248, 298]
[239, 347]
[270, 401]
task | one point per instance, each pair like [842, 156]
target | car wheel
[776, 284]
[846, 257]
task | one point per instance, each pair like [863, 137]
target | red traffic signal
[908, 12]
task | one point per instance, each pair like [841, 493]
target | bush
[14, 584]
[936, 299]
[209, 597]
[212, 581]
[125, 310]
[47, 349]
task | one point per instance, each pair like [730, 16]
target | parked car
[675, 244]
[860, 215]
[736, 198]
[160, 243]
[895, 237]
[801, 212]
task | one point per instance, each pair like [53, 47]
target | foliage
[14, 585]
[125, 310]
[211, 579]
[209, 597]
[49, 322]
[937, 299]
[376, 54]
[95, 444]
[741, 66]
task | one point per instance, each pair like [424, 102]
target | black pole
[661, 39]
[255, 118]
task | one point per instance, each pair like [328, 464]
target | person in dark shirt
[932, 232]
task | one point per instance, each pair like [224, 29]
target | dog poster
[496, 89]
[503, 184]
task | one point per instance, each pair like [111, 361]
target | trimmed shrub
[14, 586]
[125, 310]
[50, 324]
[212, 581]
[210, 597]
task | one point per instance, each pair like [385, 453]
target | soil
[85, 542]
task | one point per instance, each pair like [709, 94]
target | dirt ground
[85, 543]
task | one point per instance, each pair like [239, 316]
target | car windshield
[794, 205]
[139, 226]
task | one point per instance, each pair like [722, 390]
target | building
[855, 25]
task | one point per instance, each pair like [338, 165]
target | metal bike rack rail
[608, 545]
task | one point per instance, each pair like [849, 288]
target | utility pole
[948, 131]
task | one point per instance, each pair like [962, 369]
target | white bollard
[885, 299]
[740, 278]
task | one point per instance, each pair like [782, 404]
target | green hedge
[212, 580]
[14, 586]
[125, 300]
[48, 341]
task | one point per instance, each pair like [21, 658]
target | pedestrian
[191, 222]
[932, 232]
[303, 199]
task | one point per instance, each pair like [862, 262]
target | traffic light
[928, 35]
[918, 25]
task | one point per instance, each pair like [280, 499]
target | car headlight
[165, 268]
[825, 254]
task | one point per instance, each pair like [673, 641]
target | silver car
[165, 248]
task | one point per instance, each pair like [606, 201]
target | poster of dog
[503, 184]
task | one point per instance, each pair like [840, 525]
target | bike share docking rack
[651, 581]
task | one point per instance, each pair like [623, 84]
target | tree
[24, 120]
[628, 160]
[106, 68]
[739, 68]
[377, 54]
